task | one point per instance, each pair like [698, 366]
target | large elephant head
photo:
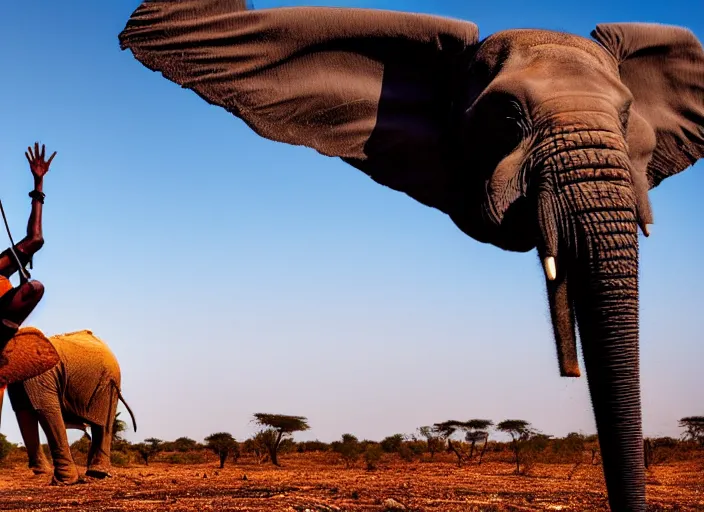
[526, 139]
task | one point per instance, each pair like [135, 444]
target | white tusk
[550, 269]
[646, 230]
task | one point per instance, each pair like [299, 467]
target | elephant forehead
[499, 48]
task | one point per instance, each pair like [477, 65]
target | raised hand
[37, 164]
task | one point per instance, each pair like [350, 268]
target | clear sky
[232, 275]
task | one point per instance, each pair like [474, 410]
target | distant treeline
[461, 442]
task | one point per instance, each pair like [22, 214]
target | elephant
[81, 390]
[526, 139]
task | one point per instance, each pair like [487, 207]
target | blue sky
[231, 274]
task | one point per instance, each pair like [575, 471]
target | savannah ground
[320, 482]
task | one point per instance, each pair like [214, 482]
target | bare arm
[34, 240]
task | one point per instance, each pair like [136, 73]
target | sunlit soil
[317, 482]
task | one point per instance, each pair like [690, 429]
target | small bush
[184, 444]
[6, 447]
[348, 449]
[569, 448]
[194, 457]
[404, 451]
[120, 459]
[372, 456]
[392, 443]
[312, 446]
[82, 445]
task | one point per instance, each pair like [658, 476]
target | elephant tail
[122, 399]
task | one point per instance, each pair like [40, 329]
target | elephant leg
[99, 454]
[28, 422]
[52, 423]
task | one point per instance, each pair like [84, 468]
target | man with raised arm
[16, 303]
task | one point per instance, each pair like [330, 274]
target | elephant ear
[372, 87]
[663, 66]
[28, 353]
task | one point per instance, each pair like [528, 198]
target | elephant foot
[55, 481]
[98, 473]
[41, 470]
[65, 476]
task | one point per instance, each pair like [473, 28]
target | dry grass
[316, 482]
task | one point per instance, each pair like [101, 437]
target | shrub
[287, 445]
[569, 448]
[6, 447]
[185, 444]
[348, 448]
[372, 456]
[531, 450]
[82, 445]
[312, 446]
[406, 453]
[257, 446]
[392, 443]
[121, 459]
[195, 457]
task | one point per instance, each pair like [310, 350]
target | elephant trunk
[589, 223]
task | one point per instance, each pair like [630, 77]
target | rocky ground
[314, 483]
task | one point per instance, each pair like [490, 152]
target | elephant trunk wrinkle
[588, 218]
[604, 286]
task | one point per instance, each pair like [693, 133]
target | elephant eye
[624, 116]
[495, 126]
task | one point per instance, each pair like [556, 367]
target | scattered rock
[393, 505]
[244, 477]
[205, 475]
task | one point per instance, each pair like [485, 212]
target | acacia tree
[446, 430]
[222, 444]
[278, 427]
[478, 431]
[149, 448]
[520, 431]
[694, 428]
[432, 438]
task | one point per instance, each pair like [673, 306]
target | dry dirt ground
[313, 483]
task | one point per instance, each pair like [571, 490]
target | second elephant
[83, 388]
